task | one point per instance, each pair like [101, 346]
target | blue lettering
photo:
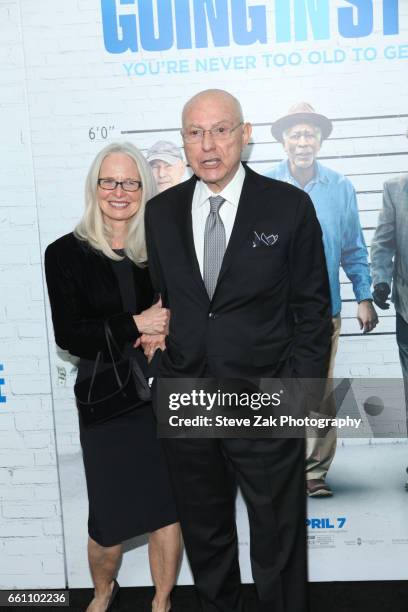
[370, 54]
[390, 17]
[315, 12]
[240, 16]
[201, 65]
[184, 66]
[314, 57]
[280, 60]
[116, 42]
[216, 12]
[140, 69]
[2, 382]
[183, 27]
[335, 56]
[159, 25]
[282, 21]
[318, 11]
[324, 523]
[148, 39]
[364, 23]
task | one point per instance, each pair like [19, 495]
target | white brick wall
[31, 554]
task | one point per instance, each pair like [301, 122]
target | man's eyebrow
[311, 128]
[194, 125]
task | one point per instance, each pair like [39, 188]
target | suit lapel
[249, 208]
[182, 210]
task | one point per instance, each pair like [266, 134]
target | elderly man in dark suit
[239, 260]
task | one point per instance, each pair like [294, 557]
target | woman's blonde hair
[92, 228]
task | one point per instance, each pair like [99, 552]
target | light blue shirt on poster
[335, 202]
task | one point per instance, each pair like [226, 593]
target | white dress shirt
[200, 209]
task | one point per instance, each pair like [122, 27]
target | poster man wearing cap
[389, 262]
[301, 133]
[167, 164]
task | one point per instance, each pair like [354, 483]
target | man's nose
[303, 141]
[207, 141]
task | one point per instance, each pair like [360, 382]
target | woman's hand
[150, 344]
[153, 320]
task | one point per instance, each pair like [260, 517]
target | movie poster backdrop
[101, 71]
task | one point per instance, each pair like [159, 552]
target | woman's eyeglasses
[128, 185]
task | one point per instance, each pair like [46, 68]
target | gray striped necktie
[214, 245]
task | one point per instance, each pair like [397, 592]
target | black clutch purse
[118, 389]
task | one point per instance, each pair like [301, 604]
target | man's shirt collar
[231, 192]
[320, 176]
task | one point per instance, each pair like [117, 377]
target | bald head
[213, 97]
[214, 135]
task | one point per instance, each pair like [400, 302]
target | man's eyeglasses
[192, 134]
[128, 185]
[296, 136]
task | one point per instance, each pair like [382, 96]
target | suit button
[212, 315]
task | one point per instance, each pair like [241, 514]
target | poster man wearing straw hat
[301, 133]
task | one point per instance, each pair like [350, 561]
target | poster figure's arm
[309, 295]
[384, 244]
[354, 254]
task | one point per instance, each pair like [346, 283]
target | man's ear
[246, 134]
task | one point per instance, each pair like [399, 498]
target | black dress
[127, 480]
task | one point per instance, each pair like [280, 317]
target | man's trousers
[402, 341]
[320, 449]
[270, 473]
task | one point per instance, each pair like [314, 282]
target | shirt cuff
[378, 280]
[363, 293]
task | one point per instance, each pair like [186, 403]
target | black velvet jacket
[84, 292]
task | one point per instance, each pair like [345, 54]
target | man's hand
[153, 320]
[366, 316]
[380, 295]
[150, 344]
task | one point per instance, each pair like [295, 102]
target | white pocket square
[263, 239]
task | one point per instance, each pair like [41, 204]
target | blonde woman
[98, 275]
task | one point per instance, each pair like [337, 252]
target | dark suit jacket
[270, 313]
[84, 292]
